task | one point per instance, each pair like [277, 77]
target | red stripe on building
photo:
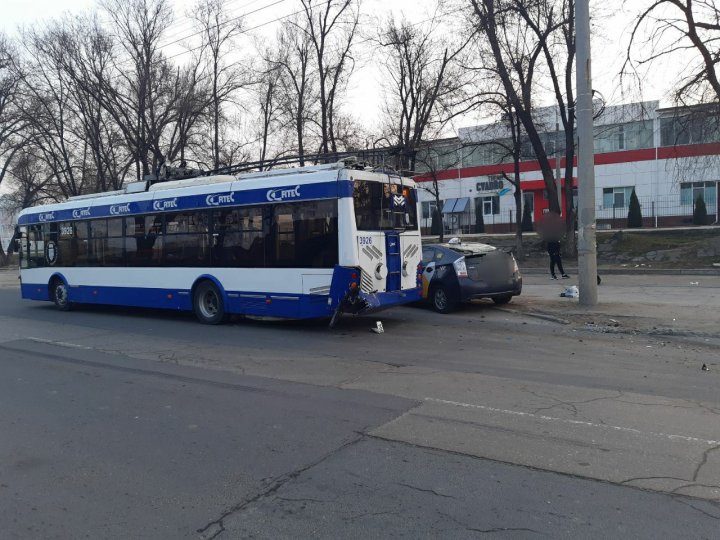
[609, 158]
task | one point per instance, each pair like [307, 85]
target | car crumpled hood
[471, 248]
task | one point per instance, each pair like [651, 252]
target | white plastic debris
[695, 283]
[378, 328]
[570, 292]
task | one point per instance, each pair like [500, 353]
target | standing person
[552, 230]
[553, 249]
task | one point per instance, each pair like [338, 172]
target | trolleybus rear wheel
[208, 303]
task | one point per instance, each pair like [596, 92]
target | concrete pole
[587, 245]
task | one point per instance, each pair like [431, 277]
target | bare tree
[529, 45]
[514, 52]
[331, 28]
[269, 103]
[684, 30]
[192, 99]
[54, 130]
[427, 84]
[82, 52]
[435, 158]
[140, 96]
[11, 121]
[297, 82]
[219, 30]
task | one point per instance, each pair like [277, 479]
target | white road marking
[634, 431]
[60, 343]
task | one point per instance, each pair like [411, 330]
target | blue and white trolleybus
[292, 243]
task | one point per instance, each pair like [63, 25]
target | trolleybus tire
[208, 303]
[59, 294]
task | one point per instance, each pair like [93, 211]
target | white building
[668, 156]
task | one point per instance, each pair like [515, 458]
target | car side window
[428, 255]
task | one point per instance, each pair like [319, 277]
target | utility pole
[587, 244]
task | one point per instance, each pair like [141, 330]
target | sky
[611, 25]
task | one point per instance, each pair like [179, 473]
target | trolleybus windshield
[384, 206]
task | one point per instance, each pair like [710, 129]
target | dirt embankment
[650, 248]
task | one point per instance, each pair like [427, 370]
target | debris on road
[705, 368]
[378, 328]
[570, 292]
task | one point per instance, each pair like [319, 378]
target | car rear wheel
[208, 303]
[442, 302]
[500, 300]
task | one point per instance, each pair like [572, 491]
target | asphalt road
[143, 424]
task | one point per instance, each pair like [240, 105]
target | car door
[428, 262]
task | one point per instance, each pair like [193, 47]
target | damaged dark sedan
[457, 272]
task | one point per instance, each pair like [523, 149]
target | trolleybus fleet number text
[366, 240]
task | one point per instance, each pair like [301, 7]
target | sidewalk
[661, 304]
[627, 269]
[9, 277]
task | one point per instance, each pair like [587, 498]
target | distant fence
[664, 211]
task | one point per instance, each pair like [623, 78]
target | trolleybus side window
[115, 244]
[305, 235]
[106, 242]
[238, 238]
[186, 239]
[143, 240]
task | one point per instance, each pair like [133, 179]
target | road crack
[425, 490]
[703, 461]
[216, 527]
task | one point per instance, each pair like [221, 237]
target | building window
[694, 128]
[617, 197]
[429, 208]
[491, 205]
[628, 136]
[690, 191]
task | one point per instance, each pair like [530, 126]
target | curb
[633, 271]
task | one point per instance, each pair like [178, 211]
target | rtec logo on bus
[49, 216]
[164, 205]
[283, 193]
[118, 209]
[217, 200]
[81, 212]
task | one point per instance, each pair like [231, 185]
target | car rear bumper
[470, 290]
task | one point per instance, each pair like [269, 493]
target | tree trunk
[518, 213]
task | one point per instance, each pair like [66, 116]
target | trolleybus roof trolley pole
[289, 242]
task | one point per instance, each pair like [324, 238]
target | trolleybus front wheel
[59, 294]
[208, 303]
